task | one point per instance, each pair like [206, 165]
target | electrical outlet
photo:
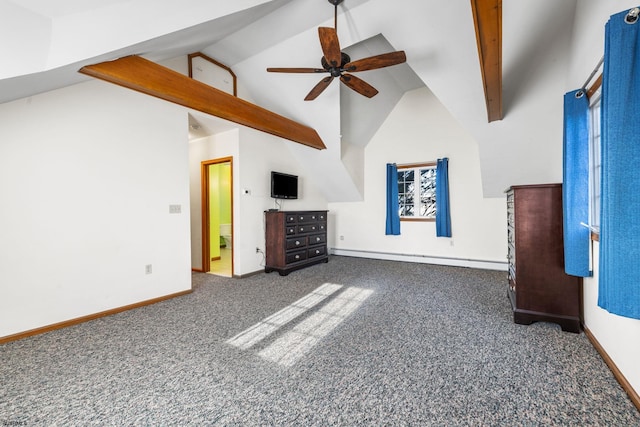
[175, 209]
[148, 269]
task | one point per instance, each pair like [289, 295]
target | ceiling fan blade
[297, 70]
[377, 61]
[319, 88]
[359, 85]
[330, 45]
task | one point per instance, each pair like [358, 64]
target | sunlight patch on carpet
[256, 333]
[287, 349]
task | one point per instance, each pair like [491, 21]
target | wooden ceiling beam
[142, 75]
[487, 18]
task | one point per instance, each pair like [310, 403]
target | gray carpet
[387, 343]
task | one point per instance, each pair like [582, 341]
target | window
[417, 192]
[594, 162]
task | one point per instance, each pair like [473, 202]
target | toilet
[226, 233]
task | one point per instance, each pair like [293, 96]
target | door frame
[206, 229]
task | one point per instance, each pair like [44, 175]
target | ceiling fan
[339, 64]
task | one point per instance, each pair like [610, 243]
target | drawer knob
[317, 239]
[297, 256]
[297, 242]
[317, 251]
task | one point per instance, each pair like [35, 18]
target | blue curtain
[443, 216]
[619, 282]
[393, 214]
[575, 186]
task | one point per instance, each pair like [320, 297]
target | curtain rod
[416, 165]
[593, 73]
[583, 89]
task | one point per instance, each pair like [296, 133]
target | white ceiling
[157, 43]
[56, 9]
[250, 35]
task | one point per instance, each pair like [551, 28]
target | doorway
[217, 216]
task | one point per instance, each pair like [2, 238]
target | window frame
[416, 167]
[595, 162]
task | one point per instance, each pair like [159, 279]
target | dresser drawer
[291, 230]
[296, 256]
[308, 228]
[307, 217]
[511, 235]
[314, 252]
[290, 219]
[296, 242]
[317, 239]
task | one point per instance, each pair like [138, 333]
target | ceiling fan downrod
[335, 12]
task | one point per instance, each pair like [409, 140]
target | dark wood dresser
[294, 240]
[539, 289]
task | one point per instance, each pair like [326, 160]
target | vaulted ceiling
[45, 43]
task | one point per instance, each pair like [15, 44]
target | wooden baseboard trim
[633, 395]
[197, 270]
[244, 276]
[72, 322]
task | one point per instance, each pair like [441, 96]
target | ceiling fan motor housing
[335, 2]
[336, 71]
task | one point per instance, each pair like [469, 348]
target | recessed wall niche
[211, 72]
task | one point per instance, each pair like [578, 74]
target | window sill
[418, 219]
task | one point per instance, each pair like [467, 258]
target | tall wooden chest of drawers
[294, 240]
[539, 289]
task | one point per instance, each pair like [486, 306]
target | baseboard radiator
[423, 259]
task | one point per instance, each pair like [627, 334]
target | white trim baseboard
[423, 259]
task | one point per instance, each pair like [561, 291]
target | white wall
[223, 144]
[526, 146]
[260, 154]
[255, 155]
[87, 174]
[619, 336]
[420, 129]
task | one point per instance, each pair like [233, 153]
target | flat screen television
[284, 186]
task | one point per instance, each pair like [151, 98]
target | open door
[217, 216]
